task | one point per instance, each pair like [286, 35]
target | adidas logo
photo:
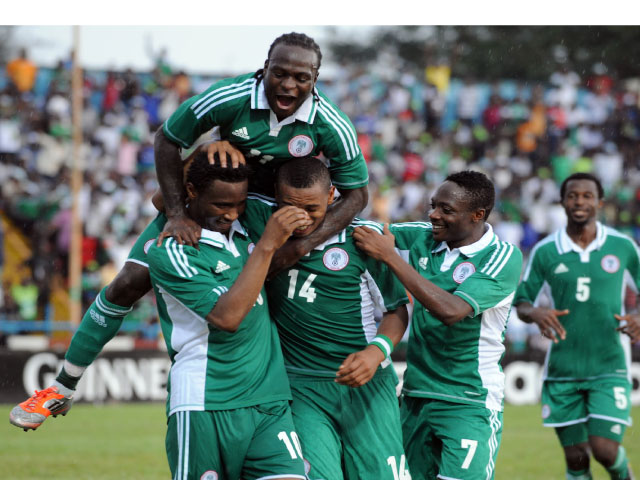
[242, 133]
[423, 262]
[616, 429]
[562, 268]
[99, 319]
[221, 266]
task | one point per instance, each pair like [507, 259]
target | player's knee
[577, 456]
[604, 450]
[131, 283]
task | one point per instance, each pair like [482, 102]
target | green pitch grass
[127, 442]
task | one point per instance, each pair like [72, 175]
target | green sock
[100, 324]
[620, 468]
[579, 474]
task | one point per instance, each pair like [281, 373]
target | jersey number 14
[306, 291]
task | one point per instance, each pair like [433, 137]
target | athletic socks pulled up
[100, 324]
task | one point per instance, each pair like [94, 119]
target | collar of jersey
[339, 237]
[566, 245]
[216, 239]
[470, 250]
[306, 113]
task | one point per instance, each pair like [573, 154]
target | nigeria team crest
[546, 411]
[300, 146]
[335, 259]
[610, 263]
[462, 271]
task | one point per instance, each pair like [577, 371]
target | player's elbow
[449, 320]
[225, 323]
[453, 314]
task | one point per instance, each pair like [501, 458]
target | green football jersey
[460, 363]
[213, 369]
[590, 283]
[239, 107]
[324, 305]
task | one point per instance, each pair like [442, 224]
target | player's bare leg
[577, 458]
[612, 456]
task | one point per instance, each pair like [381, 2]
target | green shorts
[251, 443]
[578, 409]
[346, 432]
[138, 253]
[450, 440]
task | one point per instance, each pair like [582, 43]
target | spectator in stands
[21, 73]
[25, 296]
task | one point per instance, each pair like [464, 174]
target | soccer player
[275, 112]
[228, 405]
[584, 269]
[463, 279]
[345, 406]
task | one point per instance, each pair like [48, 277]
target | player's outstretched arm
[360, 367]
[629, 324]
[545, 318]
[444, 306]
[169, 170]
[339, 215]
[234, 305]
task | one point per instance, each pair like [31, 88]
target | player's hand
[360, 367]
[629, 324]
[183, 229]
[377, 246]
[282, 224]
[548, 323]
[226, 152]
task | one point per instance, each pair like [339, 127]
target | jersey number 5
[583, 290]
[305, 291]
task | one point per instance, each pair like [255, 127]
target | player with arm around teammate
[228, 404]
[463, 279]
[345, 406]
[274, 113]
[584, 269]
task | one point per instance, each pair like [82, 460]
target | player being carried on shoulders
[274, 113]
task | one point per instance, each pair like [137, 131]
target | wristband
[384, 343]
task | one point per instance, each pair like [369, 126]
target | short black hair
[303, 172]
[202, 174]
[581, 176]
[297, 40]
[480, 189]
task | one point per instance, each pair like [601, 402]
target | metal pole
[75, 257]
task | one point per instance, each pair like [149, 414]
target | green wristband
[384, 343]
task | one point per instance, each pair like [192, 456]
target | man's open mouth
[285, 101]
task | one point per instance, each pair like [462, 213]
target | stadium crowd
[414, 130]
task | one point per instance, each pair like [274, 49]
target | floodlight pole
[75, 257]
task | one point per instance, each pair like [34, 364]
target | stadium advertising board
[141, 375]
